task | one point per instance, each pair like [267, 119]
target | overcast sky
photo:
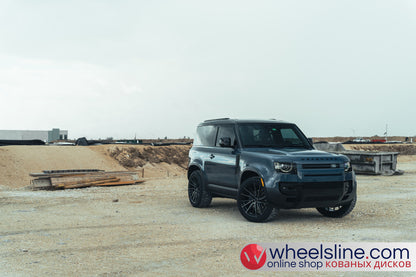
[158, 68]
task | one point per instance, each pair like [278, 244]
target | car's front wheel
[338, 211]
[197, 193]
[252, 200]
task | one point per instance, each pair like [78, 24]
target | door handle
[212, 156]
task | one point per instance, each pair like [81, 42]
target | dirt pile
[135, 157]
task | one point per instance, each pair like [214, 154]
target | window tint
[288, 134]
[205, 135]
[226, 131]
[289, 137]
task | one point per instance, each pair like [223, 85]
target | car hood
[293, 153]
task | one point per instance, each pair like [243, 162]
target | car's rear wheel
[338, 211]
[197, 193]
[252, 201]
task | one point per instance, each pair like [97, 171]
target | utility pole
[386, 132]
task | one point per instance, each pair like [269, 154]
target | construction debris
[365, 162]
[69, 179]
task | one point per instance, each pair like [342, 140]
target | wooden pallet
[69, 179]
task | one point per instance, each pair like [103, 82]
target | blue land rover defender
[266, 165]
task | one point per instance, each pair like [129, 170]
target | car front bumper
[292, 191]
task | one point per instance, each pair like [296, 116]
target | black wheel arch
[191, 169]
[198, 195]
[196, 167]
[247, 174]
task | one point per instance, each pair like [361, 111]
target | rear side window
[226, 131]
[205, 135]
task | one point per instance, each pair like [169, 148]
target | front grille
[322, 170]
[320, 159]
[319, 166]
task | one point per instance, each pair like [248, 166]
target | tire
[252, 201]
[197, 194]
[338, 211]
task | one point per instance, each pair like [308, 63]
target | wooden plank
[59, 183]
[83, 185]
[119, 183]
[99, 184]
[123, 177]
[46, 175]
[82, 173]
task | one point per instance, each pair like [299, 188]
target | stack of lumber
[69, 179]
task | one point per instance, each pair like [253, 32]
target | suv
[266, 165]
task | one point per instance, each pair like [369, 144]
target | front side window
[226, 131]
[272, 135]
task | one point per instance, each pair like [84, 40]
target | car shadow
[229, 207]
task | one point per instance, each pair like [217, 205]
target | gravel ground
[151, 230]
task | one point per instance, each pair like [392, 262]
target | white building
[46, 136]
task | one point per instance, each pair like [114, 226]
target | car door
[222, 164]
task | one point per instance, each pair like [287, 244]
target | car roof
[241, 121]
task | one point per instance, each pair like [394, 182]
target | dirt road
[151, 230]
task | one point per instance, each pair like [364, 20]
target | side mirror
[310, 140]
[225, 142]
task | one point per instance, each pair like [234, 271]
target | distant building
[46, 136]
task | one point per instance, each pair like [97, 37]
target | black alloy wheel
[197, 194]
[252, 200]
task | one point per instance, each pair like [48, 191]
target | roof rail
[224, 118]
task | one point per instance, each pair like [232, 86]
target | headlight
[347, 166]
[283, 167]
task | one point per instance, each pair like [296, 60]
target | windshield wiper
[264, 145]
[297, 146]
[260, 145]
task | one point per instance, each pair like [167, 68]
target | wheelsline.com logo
[354, 256]
[253, 256]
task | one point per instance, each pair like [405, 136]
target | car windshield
[272, 135]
